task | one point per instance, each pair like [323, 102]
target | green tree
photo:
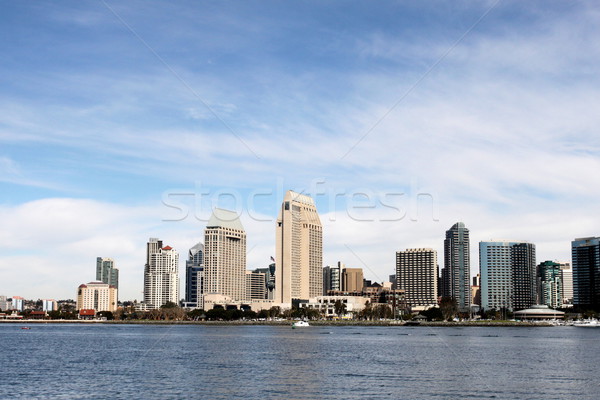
[196, 314]
[169, 304]
[449, 308]
[106, 314]
[433, 314]
[274, 312]
[339, 307]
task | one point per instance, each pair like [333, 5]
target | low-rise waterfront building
[538, 312]
[326, 304]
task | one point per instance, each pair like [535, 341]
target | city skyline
[123, 121]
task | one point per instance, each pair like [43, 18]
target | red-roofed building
[36, 315]
[87, 314]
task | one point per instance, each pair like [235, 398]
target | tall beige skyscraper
[299, 242]
[225, 255]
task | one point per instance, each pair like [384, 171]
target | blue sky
[400, 118]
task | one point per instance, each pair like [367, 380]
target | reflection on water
[262, 362]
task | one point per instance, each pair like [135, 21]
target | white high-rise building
[161, 276]
[225, 255]
[299, 250]
[417, 275]
[567, 280]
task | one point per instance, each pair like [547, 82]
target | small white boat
[300, 324]
[587, 323]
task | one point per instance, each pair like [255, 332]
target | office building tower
[299, 249]
[194, 277]
[416, 274]
[225, 255]
[97, 296]
[256, 285]
[549, 284]
[508, 278]
[456, 274]
[352, 279]
[161, 275]
[4, 303]
[106, 271]
[567, 280]
[269, 279]
[585, 253]
[332, 278]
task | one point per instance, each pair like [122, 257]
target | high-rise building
[194, 276]
[585, 253]
[161, 274]
[49, 305]
[225, 255]
[416, 274]
[549, 284]
[106, 271]
[299, 249]
[17, 303]
[507, 275]
[567, 280]
[352, 279]
[256, 285]
[98, 296]
[332, 278]
[456, 273]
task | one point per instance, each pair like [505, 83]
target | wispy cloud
[503, 130]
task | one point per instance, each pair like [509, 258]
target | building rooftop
[290, 195]
[225, 219]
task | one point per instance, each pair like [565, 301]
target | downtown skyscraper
[194, 276]
[456, 274]
[508, 275]
[417, 275]
[225, 255]
[106, 271]
[585, 253]
[299, 250]
[161, 274]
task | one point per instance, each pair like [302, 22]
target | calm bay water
[72, 361]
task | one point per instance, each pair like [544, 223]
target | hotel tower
[225, 255]
[299, 250]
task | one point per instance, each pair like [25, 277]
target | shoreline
[289, 322]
